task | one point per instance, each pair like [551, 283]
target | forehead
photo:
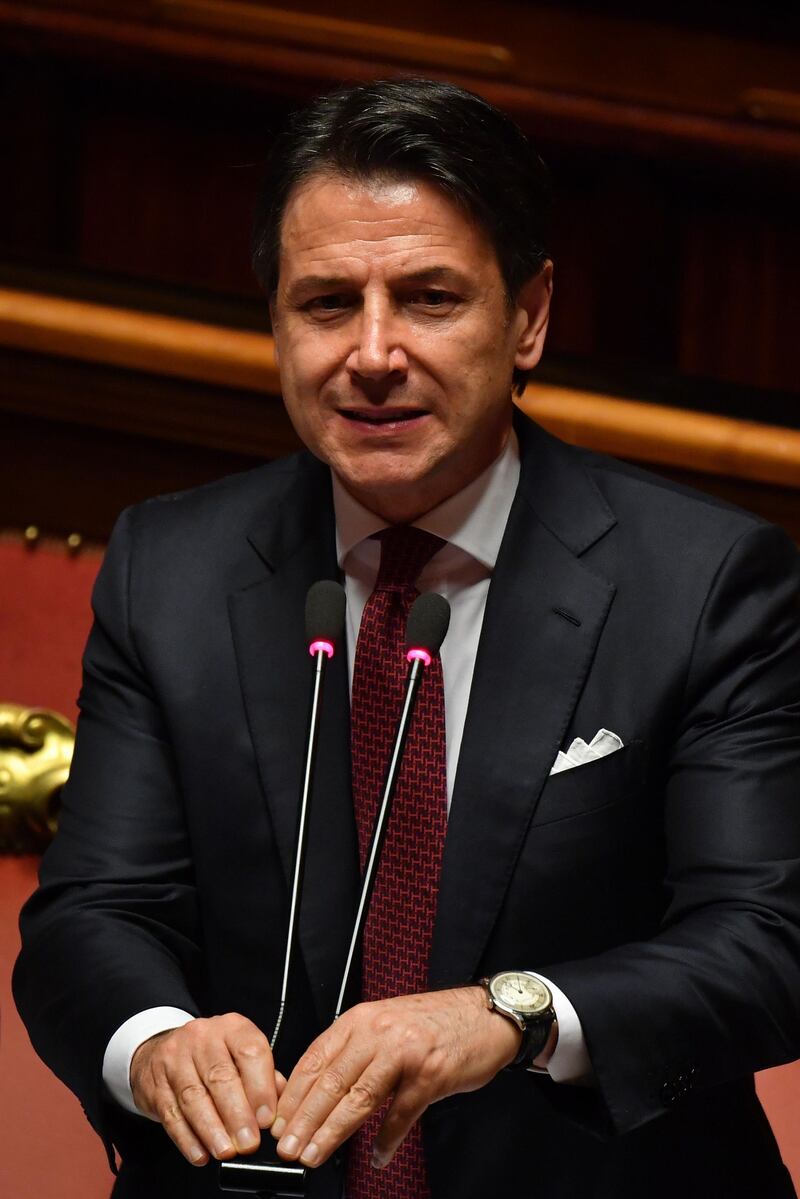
[379, 224]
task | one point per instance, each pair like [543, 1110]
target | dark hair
[415, 129]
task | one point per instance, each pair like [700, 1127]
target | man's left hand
[415, 1048]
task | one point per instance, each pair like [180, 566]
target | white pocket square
[579, 753]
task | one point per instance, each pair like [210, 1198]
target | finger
[307, 1072]
[280, 1082]
[405, 1110]
[166, 1107]
[317, 1138]
[225, 1106]
[253, 1058]
[197, 1108]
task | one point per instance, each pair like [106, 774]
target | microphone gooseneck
[264, 1173]
[426, 627]
[325, 610]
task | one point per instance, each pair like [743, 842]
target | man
[651, 891]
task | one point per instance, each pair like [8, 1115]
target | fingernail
[289, 1145]
[278, 1127]
[221, 1146]
[379, 1160]
[197, 1156]
[311, 1155]
[246, 1139]
[264, 1116]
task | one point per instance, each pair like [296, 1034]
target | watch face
[521, 992]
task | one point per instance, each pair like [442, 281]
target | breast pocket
[592, 787]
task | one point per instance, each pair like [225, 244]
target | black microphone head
[325, 604]
[428, 621]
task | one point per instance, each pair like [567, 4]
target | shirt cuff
[570, 1060]
[124, 1043]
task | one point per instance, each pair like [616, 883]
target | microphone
[426, 628]
[325, 607]
[273, 1178]
[427, 625]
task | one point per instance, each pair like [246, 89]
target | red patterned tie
[399, 928]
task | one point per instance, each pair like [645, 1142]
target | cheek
[478, 345]
[309, 358]
[450, 367]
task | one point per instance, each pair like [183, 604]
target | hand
[211, 1083]
[416, 1048]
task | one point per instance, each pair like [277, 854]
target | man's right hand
[211, 1083]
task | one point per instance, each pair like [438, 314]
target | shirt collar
[474, 519]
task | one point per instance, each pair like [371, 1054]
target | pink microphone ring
[421, 654]
[315, 647]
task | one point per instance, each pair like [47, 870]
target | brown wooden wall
[133, 132]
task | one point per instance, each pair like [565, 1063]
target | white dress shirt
[472, 523]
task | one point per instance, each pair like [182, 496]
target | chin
[382, 476]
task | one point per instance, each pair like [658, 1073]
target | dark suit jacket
[658, 887]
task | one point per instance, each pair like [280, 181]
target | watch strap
[534, 1039]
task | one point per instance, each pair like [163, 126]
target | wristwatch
[524, 999]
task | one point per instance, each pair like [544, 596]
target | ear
[531, 316]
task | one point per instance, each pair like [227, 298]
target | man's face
[395, 339]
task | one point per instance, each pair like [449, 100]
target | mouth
[384, 418]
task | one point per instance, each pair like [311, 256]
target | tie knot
[405, 551]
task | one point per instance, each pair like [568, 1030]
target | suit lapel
[544, 614]
[296, 542]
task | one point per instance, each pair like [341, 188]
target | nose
[377, 352]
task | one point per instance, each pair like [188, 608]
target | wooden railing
[316, 31]
[591, 75]
[237, 359]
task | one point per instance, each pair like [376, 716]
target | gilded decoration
[35, 755]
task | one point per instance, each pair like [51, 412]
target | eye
[432, 297]
[331, 303]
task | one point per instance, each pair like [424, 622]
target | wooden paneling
[586, 70]
[739, 302]
[167, 197]
[137, 129]
[76, 478]
[367, 39]
[570, 48]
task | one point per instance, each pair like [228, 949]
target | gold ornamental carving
[35, 756]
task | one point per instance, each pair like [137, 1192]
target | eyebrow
[432, 274]
[319, 283]
[436, 274]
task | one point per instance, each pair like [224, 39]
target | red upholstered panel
[779, 1092]
[48, 1149]
[44, 622]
